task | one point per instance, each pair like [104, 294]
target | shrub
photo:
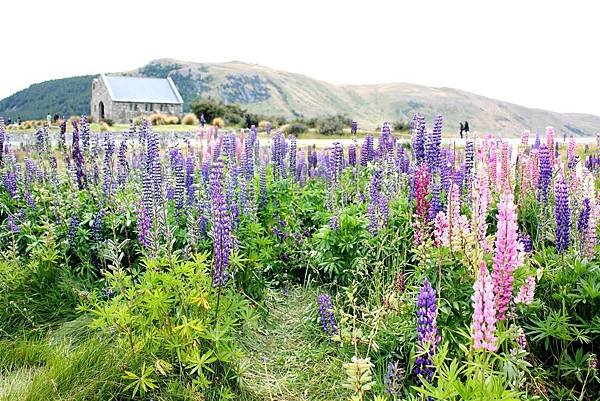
[262, 125]
[91, 119]
[103, 127]
[294, 129]
[207, 107]
[234, 119]
[157, 119]
[218, 122]
[190, 119]
[171, 120]
[400, 125]
[109, 122]
[330, 125]
[279, 121]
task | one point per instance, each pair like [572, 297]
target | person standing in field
[464, 127]
[48, 119]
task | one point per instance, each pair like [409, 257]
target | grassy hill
[273, 92]
[67, 96]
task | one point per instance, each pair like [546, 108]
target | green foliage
[176, 322]
[332, 125]
[231, 113]
[294, 129]
[477, 380]
[400, 125]
[37, 292]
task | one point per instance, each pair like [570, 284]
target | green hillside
[273, 92]
[66, 96]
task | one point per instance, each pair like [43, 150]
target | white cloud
[539, 54]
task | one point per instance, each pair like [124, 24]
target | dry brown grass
[190, 119]
[218, 122]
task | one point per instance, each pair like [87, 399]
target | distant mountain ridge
[273, 92]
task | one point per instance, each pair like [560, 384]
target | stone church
[121, 99]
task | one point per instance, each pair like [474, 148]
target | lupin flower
[550, 144]
[292, 156]
[353, 127]
[505, 256]
[221, 229]
[372, 215]
[483, 326]
[29, 199]
[144, 224]
[338, 162]
[385, 140]
[469, 157]
[440, 230]
[584, 216]
[97, 224]
[78, 159]
[107, 179]
[545, 173]
[394, 379]
[526, 292]
[326, 315]
[85, 134]
[2, 140]
[422, 179]
[10, 183]
[418, 139]
[521, 339]
[525, 138]
[504, 173]
[562, 214]
[435, 205]
[366, 151]
[525, 241]
[12, 225]
[72, 230]
[352, 154]
[427, 333]
[189, 180]
[571, 149]
[481, 199]
[177, 166]
[277, 156]
[433, 143]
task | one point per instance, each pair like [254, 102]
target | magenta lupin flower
[505, 256]
[483, 326]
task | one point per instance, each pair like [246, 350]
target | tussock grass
[71, 363]
[287, 358]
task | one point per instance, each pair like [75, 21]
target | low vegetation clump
[215, 265]
[189, 119]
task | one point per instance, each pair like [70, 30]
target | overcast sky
[542, 54]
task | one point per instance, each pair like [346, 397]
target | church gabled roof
[141, 90]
